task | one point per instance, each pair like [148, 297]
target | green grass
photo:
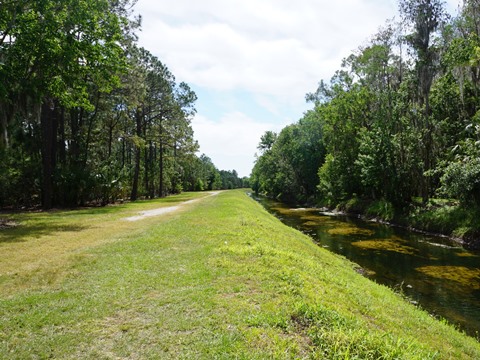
[447, 218]
[219, 279]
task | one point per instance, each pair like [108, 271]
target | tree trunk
[61, 142]
[4, 134]
[146, 170]
[110, 140]
[48, 123]
[150, 170]
[138, 153]
[124, 149]
[136, 175]
[174, 179]
[62, 156]
[161, 191]
[427, 160]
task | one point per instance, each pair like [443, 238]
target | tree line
[398, 121]
[86, 115]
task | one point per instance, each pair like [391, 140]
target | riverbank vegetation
[221, 278]
[87, 115]
[399, 121]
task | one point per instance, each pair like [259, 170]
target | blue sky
[251, 62]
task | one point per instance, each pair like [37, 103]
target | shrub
[381, 209]
[461, 180]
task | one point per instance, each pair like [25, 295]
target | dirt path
[165, 210]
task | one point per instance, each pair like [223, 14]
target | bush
[199, 186]
[461, 180]
[329, 187]
[381, 209]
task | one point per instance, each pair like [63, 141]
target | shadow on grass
[105, 210]
[22, 232]
[130, 205]
[26, 225]
[171, 199]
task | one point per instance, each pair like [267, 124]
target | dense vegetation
[86, 115]
[398, 124]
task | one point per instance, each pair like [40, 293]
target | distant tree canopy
[87, 116]
[399, 120]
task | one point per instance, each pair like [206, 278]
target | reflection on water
[434, 272]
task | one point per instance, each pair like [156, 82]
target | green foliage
[267, 140]
[330, 188]
[381, 209]
[204, 175]
[230, 180]
[375, 162]
[460, 177]
[18, 174]
[86, 116]
[391, 127]
[448, 217]
[461, 180]
[287, 169]
[199, 185]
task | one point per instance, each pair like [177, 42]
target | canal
[433, 272]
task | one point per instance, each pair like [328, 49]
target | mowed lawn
[218, 278]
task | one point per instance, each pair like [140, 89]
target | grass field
[219, 278]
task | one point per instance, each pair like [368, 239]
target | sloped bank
[325, 302]
[222, 278]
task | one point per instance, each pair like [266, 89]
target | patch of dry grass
[38, 248]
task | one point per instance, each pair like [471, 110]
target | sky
[251, 62]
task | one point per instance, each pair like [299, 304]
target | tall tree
[84, 52]
[424, 17]
[266, 141]
[85, 115]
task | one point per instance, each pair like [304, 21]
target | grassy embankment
[220, 278]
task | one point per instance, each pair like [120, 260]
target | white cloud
[274, 47]
[274, 50]
[232, 141]
[269, 47]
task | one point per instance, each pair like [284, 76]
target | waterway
[433, 272]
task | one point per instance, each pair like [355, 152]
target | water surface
[433, 272]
